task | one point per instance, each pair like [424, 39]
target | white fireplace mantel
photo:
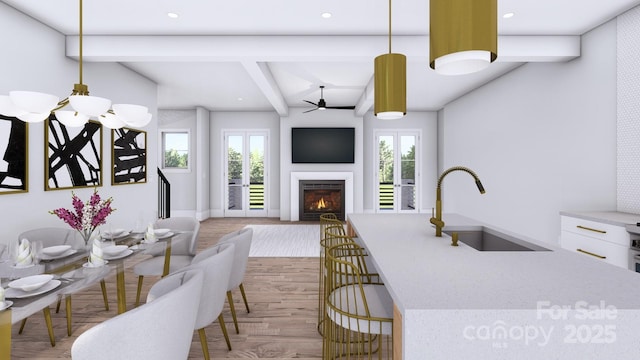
[313, 175]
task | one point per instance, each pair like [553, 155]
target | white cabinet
[597, 240]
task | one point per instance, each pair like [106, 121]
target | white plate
[63, 255]
[169, 234]
[117, 233]
[19, 294]
[7, 304]
[114, 250]
[90, 265]
[161, 232]
[55, 250]
[119, 255]
[31, 283]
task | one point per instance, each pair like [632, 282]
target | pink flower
[87, 216]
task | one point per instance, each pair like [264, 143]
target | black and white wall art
[128, 156]
[74, 155]
[14, 146]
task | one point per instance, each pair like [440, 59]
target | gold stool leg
[233, 311]
[244, 297]
[140, 278]
[58, 305]
[67, 301]
[103, 286]
[203, 342]
[224, 331]
[22, 324]
[47, 319]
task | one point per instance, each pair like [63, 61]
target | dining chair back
[183, 224]
[160, 329]
[52, 236]
[242, 240]
[215, 263]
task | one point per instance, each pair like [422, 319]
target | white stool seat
[348, 302]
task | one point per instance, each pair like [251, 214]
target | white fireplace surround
[312, 175]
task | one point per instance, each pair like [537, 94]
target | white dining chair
[242, 240]
[53, 236]
[216, 264]
[183, 249]
[160, 329]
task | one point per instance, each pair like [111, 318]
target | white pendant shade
[90, 105]
[34, 102]
[8, 108]
[111, 121]
[463, 62]
[133, 115]
[137, 121]
[390, 115]
[72, 118]
[34, 117]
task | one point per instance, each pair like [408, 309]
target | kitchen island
[458, 302]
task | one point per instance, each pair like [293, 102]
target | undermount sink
[491, 240]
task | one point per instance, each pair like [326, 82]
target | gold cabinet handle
[592, 254]
[591, 229]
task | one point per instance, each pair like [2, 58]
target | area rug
[285, 241]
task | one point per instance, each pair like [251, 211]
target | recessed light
[326, 15]
[508, 15]
[172, 15]
[240, 99]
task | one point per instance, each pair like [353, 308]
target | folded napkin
[1, 296]
[96, 256]
[24, 256]
[150, 235]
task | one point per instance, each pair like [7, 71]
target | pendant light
[31, 106]
[390, 83]
[463, 35]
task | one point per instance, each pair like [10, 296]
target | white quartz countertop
[440, 289]
[608, 217]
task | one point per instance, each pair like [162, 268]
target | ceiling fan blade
[310, 110]
[341, 107]
[312, 103]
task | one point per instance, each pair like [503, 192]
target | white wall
[427, 123]
[628, 112]
[183, 183]
[542, 138]
[327, 118]
[34, 59]
[221, 121]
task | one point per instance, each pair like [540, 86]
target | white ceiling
[274, 54]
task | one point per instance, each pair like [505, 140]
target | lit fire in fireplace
[321, 204]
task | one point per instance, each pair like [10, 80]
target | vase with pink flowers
[86, 216]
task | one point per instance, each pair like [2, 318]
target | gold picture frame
[14, 155]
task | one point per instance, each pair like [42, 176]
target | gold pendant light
[463, 35]
[390, 83]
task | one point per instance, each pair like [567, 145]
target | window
[175, 150]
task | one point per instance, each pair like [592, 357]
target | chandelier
[76, 109]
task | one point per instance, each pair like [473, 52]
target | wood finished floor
[282, 295]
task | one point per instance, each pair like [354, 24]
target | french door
[397, 173]
[244, 173]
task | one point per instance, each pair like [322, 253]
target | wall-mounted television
[322, 145]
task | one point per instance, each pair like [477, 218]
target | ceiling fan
[322, 105]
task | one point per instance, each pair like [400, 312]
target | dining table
[72, 273]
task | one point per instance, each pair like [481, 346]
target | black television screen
[322, 145]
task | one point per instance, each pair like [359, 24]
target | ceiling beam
[365, 102]
[301, 48]
[263, 77]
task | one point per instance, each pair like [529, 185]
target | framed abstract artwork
[73, 155]
[14, 155]
[128, 156]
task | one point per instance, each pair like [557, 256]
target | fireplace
[321, 196]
